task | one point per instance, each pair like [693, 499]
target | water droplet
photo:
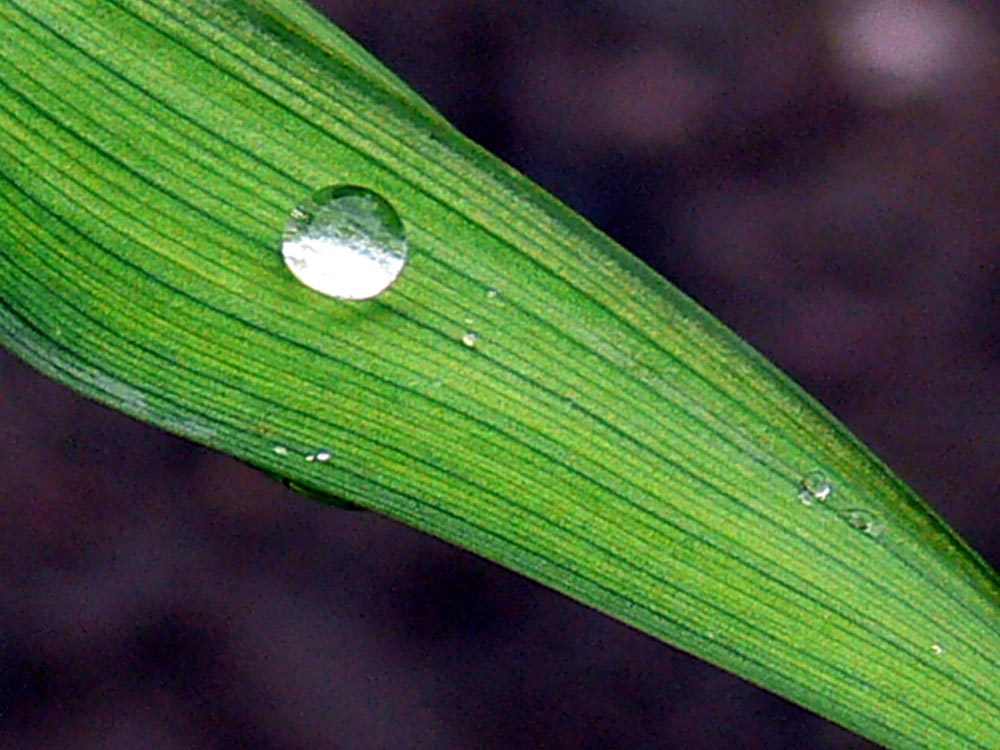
[492, 293]
[938, 649]
[280, 450]
[314, 494]
[814, 487]
[345, 242]
[864, 521]
[324, 456]
[310, 457]
[470, 339]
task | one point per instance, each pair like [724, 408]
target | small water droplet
[315, 494]
[324, 456]
[937, 648]
[280, 450]
[470, 339]
[814, 487]
[864, 521]
[345, 242]
[310, 457]
[492, 293]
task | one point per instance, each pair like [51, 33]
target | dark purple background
[823, 178]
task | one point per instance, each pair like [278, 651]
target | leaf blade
[605, 436]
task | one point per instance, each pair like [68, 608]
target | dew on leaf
[345, 242]
[814, 487]
[864, 521]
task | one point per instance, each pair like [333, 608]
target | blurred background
[822, 176]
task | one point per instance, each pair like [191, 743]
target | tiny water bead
[280, 450]
[814, 487]
[864, 521]
[345, 242]
[315, 494]
[470, 339]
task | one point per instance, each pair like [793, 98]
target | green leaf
[603, 435]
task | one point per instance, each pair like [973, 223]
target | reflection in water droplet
[470, 339]
[280, 450]
[863, 521]
[814, 487]
[345, 242]
[324, 456]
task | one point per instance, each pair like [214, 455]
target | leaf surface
[603, 434]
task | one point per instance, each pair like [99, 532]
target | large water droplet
[345, 242]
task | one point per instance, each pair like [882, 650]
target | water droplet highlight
[814, 487]
[280, 450]
[938, 649]
[324, 456]
[864, 521]
[345, 242]
[470, 339]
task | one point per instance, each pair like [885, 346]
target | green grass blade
[605, 435]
